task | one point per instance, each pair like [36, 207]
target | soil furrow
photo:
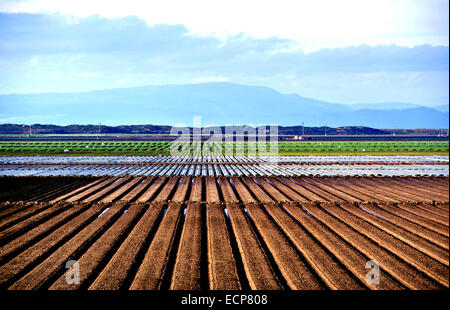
[223, 274]
[29, 223]
[152, 190]
[120, 266]
[272, 191]
[9, 208]
[407, 237]
[350, 257]
[107, 190]
[17, 266]
[419, 230]
[398, 194]
[414, 193]
[121, 190]
[380, 193]
[422, 262]
[227, 191]
[293, 269]
[401, 271]
[323, 263]
[91, 190]
[420, 187]
[257, 191]
[441, 184]
[426, 210]
[305, 182]
[30, 210]
[350, 191]
[93, 257]
[336, 192]
[167, 190]
[223, 232]
[181, 192]
[257, 267]
[360, 189]
[244, 195]
[311, 196]
[40, 231]
[61, 190]
[136, 192]
[197, 188]
[57, 260]
[78, 190]
[187, 270]
[287, 191]
[430, 224]
[151, 272]
[212, 193]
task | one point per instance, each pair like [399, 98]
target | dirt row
[229, 233]
[214, 246]
[280, 189]
[300, 189]
[39, 188]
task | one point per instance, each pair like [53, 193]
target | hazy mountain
[217, 103]
[442, 108]
[384, 106]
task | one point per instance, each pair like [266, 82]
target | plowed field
[221, 233]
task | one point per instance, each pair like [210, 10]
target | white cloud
[313, 24]
[71, 19]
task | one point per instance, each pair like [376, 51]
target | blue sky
[351, 52]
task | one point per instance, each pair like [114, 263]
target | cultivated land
[224, 165]
[224, 232]
[214, 218]
[139, 148]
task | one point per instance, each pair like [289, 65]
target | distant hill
[217, 103]
[384, 106]
[39, 129]
[443, 108]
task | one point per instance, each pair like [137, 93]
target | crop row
[231, 233]
[150, 146]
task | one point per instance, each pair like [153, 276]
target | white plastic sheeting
[223, 170]
[216, 159]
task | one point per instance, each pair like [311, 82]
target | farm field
[224, 165]
[183, 232]
[30, 148]
[221, 159]
[222, 222]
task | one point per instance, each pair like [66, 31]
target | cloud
[45, 52]
[130, 41]
[311, 24]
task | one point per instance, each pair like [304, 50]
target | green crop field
[163, 148]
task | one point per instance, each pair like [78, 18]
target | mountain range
[218, 103]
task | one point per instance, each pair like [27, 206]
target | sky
[347, 51]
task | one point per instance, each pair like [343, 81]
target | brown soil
[224, 233]
[222, 269]
[186, 274]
